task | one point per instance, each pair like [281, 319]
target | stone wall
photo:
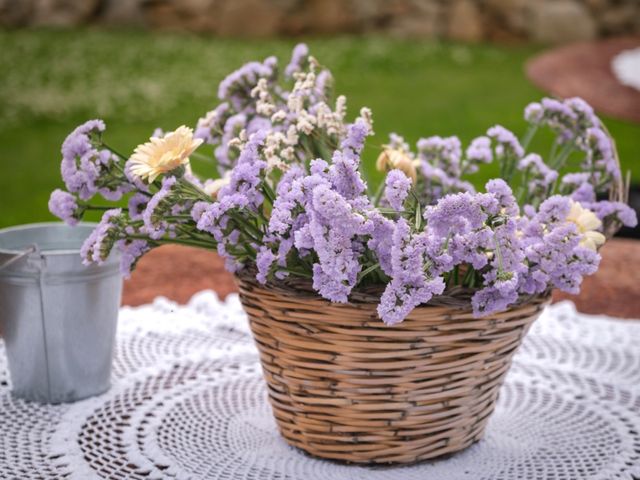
[546, 21]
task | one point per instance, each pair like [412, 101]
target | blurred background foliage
[136, 81]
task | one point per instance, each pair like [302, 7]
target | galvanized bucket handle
[32, 249]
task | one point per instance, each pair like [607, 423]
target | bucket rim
[46, 253]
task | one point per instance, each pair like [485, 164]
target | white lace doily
[188, 402]
[626, 67]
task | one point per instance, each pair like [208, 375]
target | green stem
[528, 136]
[367, 271]
[378, 195]
[179, 241]
[113, 150]
[297, 272]
[98, 208]
[558, 162]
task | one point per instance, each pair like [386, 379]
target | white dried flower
[279, 116]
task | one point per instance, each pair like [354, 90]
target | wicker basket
[344, 386]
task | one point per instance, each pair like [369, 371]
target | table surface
[179, 272]
[188, 402]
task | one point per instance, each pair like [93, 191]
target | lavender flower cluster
[292, 202]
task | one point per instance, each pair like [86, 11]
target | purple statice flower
[557, 260]
[381, 241]
[442, 153]
[507, 265]
[540, 176]
[500, 190]
[507, 144]
[584, 194]
[344, 170]
[231, 263]
[98, 245]
[454, 213]
[396, 189]
[325, 212]
[134, 180]
[282, 224]
[494, 298]
[412, 282]
[289, 196]
[333, 226]
[130, 253]
[471, 247]
[226, 156]
[258, 123]
[324, 85]
[198, 209]
[81, 161]
[237, 86]
[264, 260]
[584, 113]
[246, 176]
[534, 113]
[397, 142]
[570, 118]
[600, 159]
[575, 179]
[153, 216]
[210, 126]
[299, 60]
[438, 184]
[86, 169]
[478, 151]
[439, 161]
[560, 117]
[554, 210]
[621, 212]
[553, 251]
[65, 206]
[137, 205]
[214, 217]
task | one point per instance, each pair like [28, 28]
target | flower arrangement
[290, 200]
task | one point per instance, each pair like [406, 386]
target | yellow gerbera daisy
[588, 224]
[391, 158]
[163, 154]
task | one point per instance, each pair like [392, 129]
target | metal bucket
[57, 316]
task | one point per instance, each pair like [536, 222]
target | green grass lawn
[53, 80]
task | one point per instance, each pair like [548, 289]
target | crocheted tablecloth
[188, 401]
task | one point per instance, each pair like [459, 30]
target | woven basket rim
[456, 298]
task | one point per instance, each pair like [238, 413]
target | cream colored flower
[163, 154]
[212, 187]
[391, 158]
[588, 224]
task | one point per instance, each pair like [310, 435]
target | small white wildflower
[313, 63]
[341, 107]
[367, 116]
[305, 122]
[212, 187]
[292, 135]
[279, 116]
[289, 153]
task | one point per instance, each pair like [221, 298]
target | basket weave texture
[346, 387]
